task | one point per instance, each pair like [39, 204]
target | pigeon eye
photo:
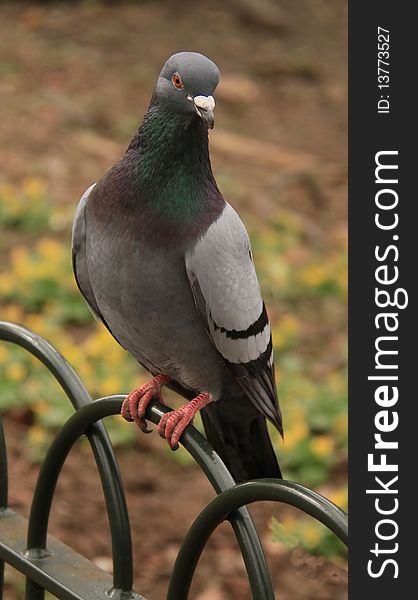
[177, 82]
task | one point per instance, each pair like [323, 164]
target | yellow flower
[13, 313]
[278, 373]
[312, 535]
[50, 249]
[21, 262]
[294, 434]
[15, 371]
[339, 497]
[341, 424]
[314, 275]
[289, 324]
[4, 353]
[285, 330]
[41, 407]
[36, 435]
[297, 413]
[337, 383]
[93, 345]
[69, 351]
[110, 385]
[33, 385]
[7, 194]
[33, 187]
[322, 445]
[279, 339]
[278, 272]
[37, 323]
[85, 370]
[7, 284]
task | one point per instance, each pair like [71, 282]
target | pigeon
[165, 263]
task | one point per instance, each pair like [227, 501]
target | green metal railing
[50, 565]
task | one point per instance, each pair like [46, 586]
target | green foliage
[27, 208]
[40, 279]
[311, 535]
[305, 287]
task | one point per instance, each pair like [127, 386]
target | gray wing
[79, 256]
[222, 275]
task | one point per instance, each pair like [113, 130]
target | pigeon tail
[238, 433]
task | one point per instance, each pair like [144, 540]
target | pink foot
[135, 403]
[172, 424]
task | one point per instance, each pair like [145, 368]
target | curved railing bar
[84, 421]
[230, 500]
[221, 479]
[197, 445]
[52, 464]
[99, 440]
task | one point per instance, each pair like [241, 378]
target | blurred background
[75, 81]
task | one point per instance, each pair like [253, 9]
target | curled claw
[173, 423]
[143, 427]
[124, 411]
[135, 404]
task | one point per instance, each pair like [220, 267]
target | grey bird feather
[166, 264]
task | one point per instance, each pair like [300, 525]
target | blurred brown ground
[82, 75]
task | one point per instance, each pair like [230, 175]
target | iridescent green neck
[173, 167]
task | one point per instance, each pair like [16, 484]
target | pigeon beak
[204, 106]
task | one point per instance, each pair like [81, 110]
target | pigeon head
[186, 85]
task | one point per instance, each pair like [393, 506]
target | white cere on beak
[203, 102]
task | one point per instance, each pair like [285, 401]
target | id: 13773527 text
[383, 72]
